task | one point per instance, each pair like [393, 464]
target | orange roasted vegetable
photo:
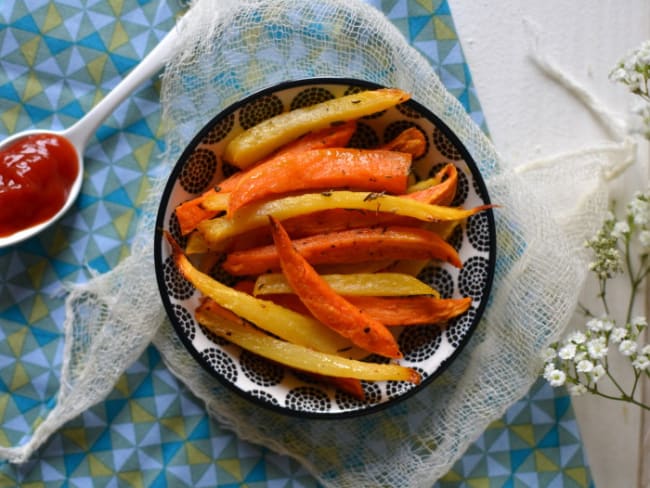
[190, 213]
[322, 169]
[328, 306]
[393, 311]
[338, 219]
[410, 141]
[349, 246]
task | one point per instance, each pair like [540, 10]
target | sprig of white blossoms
[581, 359]
[634, 72]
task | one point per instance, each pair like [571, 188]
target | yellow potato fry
[256, 215]
[303, 358]
[284, 323]
[358, 284]
[267, 136]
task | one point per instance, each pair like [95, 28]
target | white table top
[530, 116]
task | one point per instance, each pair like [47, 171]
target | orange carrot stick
[392, 311]
[349, 246]
[442, 193]
[190, 213]
[338, 219]
[328, 306]
[410, 141]
[323, 169]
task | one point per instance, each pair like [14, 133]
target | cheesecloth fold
[232, 48]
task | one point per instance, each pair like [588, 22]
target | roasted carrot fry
[264, 138]
[303, 358]
[192, 212]
[393, 311]
[364, 244]
[323, 169]
[337, 219]
[410, 141]
[441, 194]
[328, 306]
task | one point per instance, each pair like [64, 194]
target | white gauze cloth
[232, 48]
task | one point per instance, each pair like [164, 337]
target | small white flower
[595, 325]
[639, 210]
[642, 363]
[619, 74]
[608, 325]
[597, 348]
[567, 352]
[577, 390]
[585, 366]
[646, 350]
[556, 377]
[627, 347]
[644, 238]
[618, 334]
[548, 369]
[580, 355]
[621, 229]
[598, 372]
[639, 322]
[577, 337]
[548, 354]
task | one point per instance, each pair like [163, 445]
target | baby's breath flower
[639, 322]
[644, 238]
[607, 325]
[632, 70]
[597, 373]
[627, 347]
[556, 377]
[577, 337]
[584, 366]
[567, 352]
[621, 229]
[641, 363]
[607, 256]
[595, 325]
[618, 334]
[548, 369]
[580, 355]
[639, 209]
[645, 350]
[597, 348]
[578, 389]
[549, 354]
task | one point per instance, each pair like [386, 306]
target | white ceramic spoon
[79, 134]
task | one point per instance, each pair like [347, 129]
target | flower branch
[621, 246]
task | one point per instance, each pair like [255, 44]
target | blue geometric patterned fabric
[57, 59]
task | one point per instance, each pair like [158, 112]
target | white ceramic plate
[428, 348]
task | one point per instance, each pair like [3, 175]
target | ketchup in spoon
[36, 175]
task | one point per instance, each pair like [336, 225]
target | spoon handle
[80, 132]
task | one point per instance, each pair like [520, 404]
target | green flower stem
[623, 398]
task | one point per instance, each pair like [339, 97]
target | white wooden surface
[530, 116]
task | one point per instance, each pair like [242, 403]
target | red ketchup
[36, 175]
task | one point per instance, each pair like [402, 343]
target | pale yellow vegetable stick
[303, 358]
[356, 284]
[273, 318]
[256, 215]
[262, 139]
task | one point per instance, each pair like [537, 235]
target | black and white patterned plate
[428, 348]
